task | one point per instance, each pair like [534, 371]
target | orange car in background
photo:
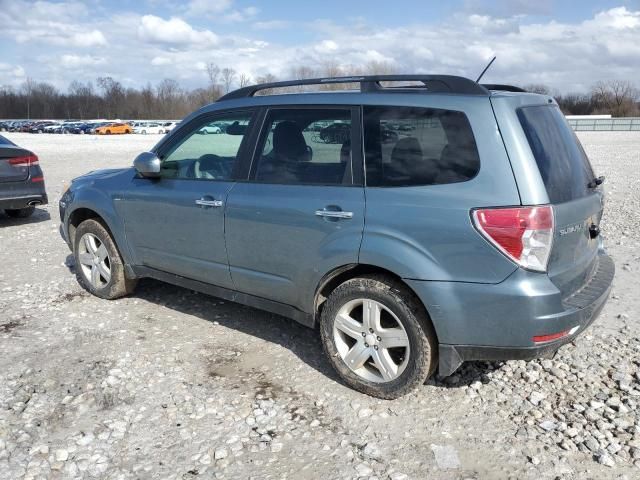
[114, 128]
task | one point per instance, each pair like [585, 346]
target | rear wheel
[108, 132]
[99, 267]
[20, 212]
[378, 336]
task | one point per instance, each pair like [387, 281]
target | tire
[108, 132]
[20, 212]
[413, 363]
[93, 262]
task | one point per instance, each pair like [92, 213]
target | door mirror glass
[147, 164]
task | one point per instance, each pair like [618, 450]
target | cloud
[207, 7]
[618, 19]
[271, 25]
[71, 61]
[59, 24]
[159, 61]
[138, 49]
[241, 15]
[174, 31]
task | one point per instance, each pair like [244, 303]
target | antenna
[485, 69]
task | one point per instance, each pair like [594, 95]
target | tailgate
[574, 252]
[568, 179]
[14, 163]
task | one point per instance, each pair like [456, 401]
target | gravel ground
[169, 383]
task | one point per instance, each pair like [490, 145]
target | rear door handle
[204, 202]
[334, 214]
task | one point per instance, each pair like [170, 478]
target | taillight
[25, 161]
[524, 234]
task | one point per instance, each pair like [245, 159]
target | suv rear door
[301, 213]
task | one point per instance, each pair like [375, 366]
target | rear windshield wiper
[595, 182]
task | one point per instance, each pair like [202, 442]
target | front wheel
[378, 336]
[99, 267]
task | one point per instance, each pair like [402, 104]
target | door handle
[334, 214]
[203, 202]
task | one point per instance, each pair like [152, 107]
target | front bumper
[498, 322]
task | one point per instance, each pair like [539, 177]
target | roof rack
[504, 88]
[371, 83]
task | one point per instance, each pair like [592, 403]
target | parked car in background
[207, 129]
[114, 129]
[82, 128]
[168, 126]
[39, 127]
[473, 236]
[21, 180]
[151, 127]
[52, 127]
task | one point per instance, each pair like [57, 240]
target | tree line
[109, 98]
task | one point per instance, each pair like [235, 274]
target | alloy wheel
[371, 340]
[94, 260]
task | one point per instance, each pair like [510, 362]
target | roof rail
[371, 83]
[504, 88]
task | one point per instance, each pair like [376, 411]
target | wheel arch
[79, 215]
[341, 274]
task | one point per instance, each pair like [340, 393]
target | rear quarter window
[562, 162]
[409, 146]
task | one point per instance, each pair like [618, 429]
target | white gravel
[171, 384]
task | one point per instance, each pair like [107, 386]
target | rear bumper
[25, 199]
[498, 322]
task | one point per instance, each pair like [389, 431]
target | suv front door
[176, 223]
[301, 214]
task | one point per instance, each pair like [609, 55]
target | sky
[568, 45]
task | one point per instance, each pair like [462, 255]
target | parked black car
[38, 127]
[83, 128]
[21, 180]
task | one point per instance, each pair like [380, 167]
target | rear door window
[306, 146]
[563, 164]
[407, 146]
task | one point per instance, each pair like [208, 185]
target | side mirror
[147, 164]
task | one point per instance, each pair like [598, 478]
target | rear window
[564, 167]
[407, 146]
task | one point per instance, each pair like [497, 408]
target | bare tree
[27, 88]
[228, 76]
[576, 104]
[375, 67]
[538, 88]
[267, 78]
[244, 80]
[617, 97]
[213, 72]
[113, 95]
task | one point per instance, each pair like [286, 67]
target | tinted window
[207, 157]
[407, 146]
[306, 146]
[563, 165]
